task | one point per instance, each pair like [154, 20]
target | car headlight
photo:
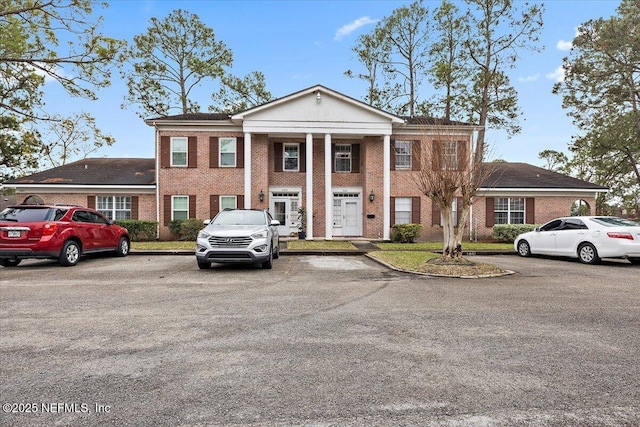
[260, 235]
[203, 235]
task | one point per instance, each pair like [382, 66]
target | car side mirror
[206, 222]
[275, 222]
[536, 229]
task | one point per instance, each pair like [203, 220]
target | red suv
[61, 232]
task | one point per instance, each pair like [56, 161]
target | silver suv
[239, 236]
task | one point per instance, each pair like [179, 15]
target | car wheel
[634, 260]
[123, 247]
[588, 254]
[268, 263]
[10, 262]
[204, 265]
[70, 254]
[276, 254]
[523, 248]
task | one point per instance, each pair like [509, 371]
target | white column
[328, 192]
[247, 171]
[386, 188]
[309, 185]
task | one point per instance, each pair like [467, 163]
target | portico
[334, 190]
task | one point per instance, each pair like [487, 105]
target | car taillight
[619, 235]
[49, 228]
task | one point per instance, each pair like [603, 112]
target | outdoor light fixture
[318, 96]
[372, 196]
[261, 196]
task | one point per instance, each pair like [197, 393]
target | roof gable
[317, 103]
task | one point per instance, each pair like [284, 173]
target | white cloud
[564, 45]
[529, 79]
[347, 29]
[557, 75]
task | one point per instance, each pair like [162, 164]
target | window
[227, 152]
[403, 155]
[228, 202]
[343, 158]
[114, 207]
[509, 210]
[179, 207]
[450, 152]
[291, 157]
[179, 151]
[403, 210]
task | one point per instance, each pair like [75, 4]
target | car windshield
[610, 221]
[240, 218]
[17, 214]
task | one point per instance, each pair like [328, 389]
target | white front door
[351, 225]
[347, 214]
[281, 210]
[283, 206]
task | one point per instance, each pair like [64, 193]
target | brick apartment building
[348, 164]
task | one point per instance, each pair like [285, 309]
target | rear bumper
[22, 253]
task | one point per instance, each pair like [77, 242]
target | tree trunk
[449, 238]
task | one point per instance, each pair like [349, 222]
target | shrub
[509, 232]
[174, 226]
[405, 233]
[189, 229]
[140, 230]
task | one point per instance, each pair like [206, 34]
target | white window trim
[235, 151]
[350, 157]
[509, 211]
[395, 209]
[173, 210]
[234, 197]
[450, 152]
[284, 158]
[404, 167]
[113, 209]
[186, 161]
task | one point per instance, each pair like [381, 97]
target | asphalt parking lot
[318, 341]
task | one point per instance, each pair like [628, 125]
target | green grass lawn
[331, 245]
[320, 244]
[437, 246]
[162, 245]
[406, 260]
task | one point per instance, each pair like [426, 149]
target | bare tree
[448, 175]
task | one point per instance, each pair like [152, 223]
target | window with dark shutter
[165, 152]
[277, 157]
[134, 207]
[213, 152]
[530, 203]
[214, 205]
[192, 152]
[489, 211]
[192, 206]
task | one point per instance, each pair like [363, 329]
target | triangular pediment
[317, 109]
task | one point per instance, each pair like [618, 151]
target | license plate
[14, 233]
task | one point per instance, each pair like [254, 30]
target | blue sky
[298, 44]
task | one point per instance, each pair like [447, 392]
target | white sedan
[587, 238]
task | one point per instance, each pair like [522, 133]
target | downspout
[157, 173]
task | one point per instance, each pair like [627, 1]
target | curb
[417, 273]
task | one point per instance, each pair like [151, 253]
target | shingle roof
[101, 171]
[524, 175]
[193, 116]
[424, 120]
